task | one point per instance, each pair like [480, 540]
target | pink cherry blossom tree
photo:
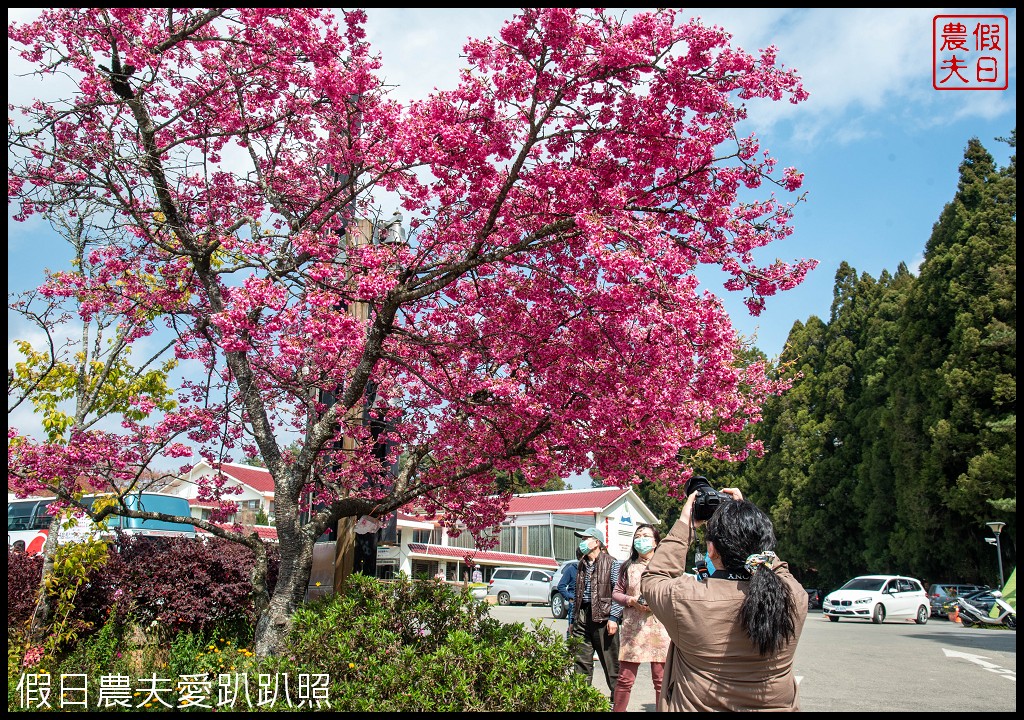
[538, 313]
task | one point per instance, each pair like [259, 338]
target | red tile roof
[566, 501]
[259, 479]
[563, 502]
[444, 551]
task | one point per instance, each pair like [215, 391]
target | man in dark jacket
[597, 615]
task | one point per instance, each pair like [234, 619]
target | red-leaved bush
[23, 572]
[182, 584]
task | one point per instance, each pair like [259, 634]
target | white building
[255, 483]
[538, 532]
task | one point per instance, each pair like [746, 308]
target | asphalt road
[852, 665]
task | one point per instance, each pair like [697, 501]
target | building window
[421, 569]
[465, 540]
[423, 536]
[538, 541]
[565, 543]
[507, 540]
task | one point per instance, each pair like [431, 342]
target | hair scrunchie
[757, 559]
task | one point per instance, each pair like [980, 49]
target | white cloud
[858, 62]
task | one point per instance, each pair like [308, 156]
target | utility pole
[346, 549]
[356, 549]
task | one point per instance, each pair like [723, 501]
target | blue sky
[879, 146]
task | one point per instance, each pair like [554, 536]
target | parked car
[982, 598]
[520, 585]
[877, 597]
[814, 598]
[559, 606]
[940, 594]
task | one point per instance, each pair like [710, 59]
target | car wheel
[558, 608]
[878, 616]
[922, 615]
[833, 618]
[504, 598]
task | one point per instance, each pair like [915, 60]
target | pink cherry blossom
[542, 316]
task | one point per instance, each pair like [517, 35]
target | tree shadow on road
[988, 639]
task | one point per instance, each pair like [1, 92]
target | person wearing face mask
[642, 637]
[597, 615]
[734, 633]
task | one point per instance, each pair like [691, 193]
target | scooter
[970, 615]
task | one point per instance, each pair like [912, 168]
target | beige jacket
[712, 664]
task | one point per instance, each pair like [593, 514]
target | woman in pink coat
[734, 635]
[642, 637]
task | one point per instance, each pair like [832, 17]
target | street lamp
[996, 528]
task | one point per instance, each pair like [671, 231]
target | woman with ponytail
[734, 634]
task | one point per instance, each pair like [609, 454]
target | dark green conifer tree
[953, 395]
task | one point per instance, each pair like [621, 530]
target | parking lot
[854, 665]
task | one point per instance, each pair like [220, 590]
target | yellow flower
[351, 665]
[318, 583]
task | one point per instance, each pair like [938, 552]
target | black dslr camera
[708, 499]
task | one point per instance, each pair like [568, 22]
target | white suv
[520, 585]
[877, 597]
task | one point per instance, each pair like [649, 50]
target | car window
[916, 586]
[561, 572]
[520, 574]
[864, 584]
[905, 586]
[501, 574]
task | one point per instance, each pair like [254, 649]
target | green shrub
[406, 646]
[382, 646]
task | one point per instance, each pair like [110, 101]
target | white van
[520, 585]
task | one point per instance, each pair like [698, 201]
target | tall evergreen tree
[791, 431]
[876, 358]
[955, 389]
[897, 442]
